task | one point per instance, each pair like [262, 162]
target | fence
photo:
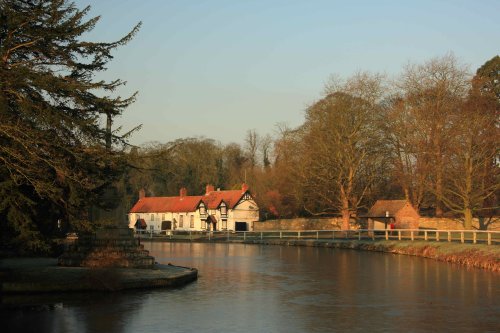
[462, 236]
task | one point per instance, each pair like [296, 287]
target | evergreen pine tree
[53, 155]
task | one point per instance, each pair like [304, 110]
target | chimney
[244, 187]
[209, 188]
[183, 192]
[142, 193]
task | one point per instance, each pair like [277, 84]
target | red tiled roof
[382, 206]
[187, 203]
[214, 198]
[166, 204]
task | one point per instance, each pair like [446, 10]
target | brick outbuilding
[398, 213]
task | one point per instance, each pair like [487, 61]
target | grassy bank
[469, 255]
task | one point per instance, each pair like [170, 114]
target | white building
[233, 210]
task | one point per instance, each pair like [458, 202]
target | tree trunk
[109, 122]
[439, 193]
[407, 194]
[344, 197]
[345, 215]
[468, 218]
[468, 189]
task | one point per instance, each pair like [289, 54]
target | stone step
[108, 247]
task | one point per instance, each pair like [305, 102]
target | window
[181, 221]
[223, 209]
[163, 217]
[224, 224]
[191, 221]
[152, 218]
[203, 209]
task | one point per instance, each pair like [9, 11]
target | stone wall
[335, 223]
[457, 224]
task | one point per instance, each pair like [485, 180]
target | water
[252, 288]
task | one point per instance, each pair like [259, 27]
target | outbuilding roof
[380, 207]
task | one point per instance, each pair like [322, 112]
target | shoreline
[468, 255]
[43, 275]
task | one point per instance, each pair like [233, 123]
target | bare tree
[409, 162]
[473, 176]
[341, 145]
[433, 93]
[265, 149]
[252, 146]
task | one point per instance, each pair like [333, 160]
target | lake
[264, 288]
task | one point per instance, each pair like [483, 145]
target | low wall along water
[335, 223]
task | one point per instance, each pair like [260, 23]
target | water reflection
[251, 288]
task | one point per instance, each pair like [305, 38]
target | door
[166, 225]
[240, 226]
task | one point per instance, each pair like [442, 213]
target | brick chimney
[209, 188]
[244, 187]
[142, 193]
[183, 192]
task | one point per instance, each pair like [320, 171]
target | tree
[235, 162]
[252, 141]
[473, 175]
[489, 75]
[53, 155]
[341, 146]
[472, 180]
[265, 148]
[286, 194]
[408, 157]
[433, 93]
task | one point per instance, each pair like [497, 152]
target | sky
[218, 68]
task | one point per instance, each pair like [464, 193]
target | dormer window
[203, 209]
[223, 208]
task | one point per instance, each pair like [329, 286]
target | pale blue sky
[217, 68]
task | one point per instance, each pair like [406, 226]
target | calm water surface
[252, 288]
